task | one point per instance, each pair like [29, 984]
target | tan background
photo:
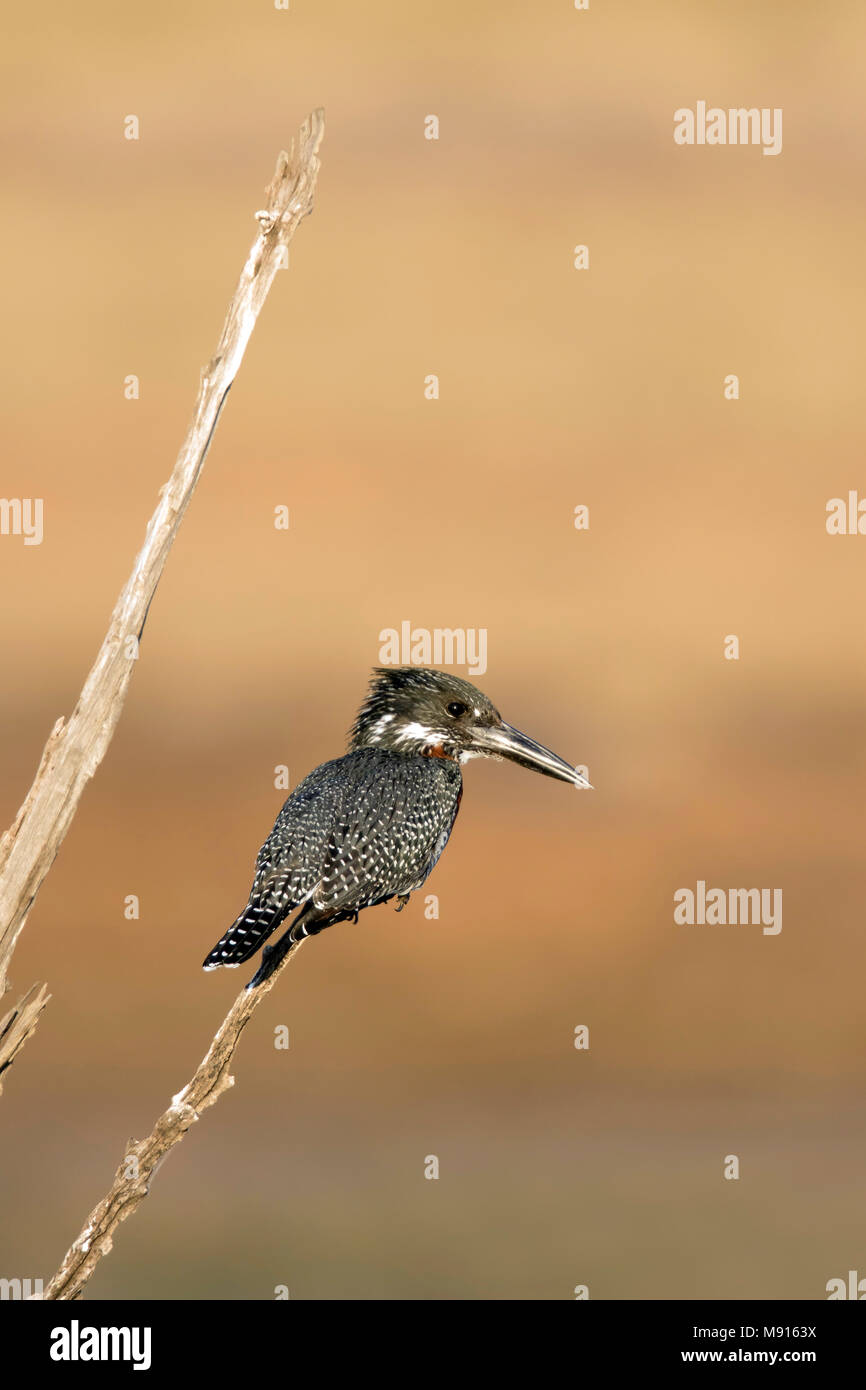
[707, 518]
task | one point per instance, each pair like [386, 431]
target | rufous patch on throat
[435, 750]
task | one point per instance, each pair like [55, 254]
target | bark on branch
[132, 1180]
[76, 747]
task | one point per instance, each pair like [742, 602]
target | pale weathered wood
[18, 1024]
[131, 1182]
[76, 747]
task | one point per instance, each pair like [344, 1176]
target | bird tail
[245, 935]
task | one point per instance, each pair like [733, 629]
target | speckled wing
[288, 865]
[356, 831]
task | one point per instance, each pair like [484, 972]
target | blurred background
[604, 388]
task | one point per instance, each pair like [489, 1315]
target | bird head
[410, 709]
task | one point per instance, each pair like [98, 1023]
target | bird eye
[455, 709]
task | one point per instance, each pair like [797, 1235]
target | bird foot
[273, 955]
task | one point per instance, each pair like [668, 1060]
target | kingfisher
[370, 826]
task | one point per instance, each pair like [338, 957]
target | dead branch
[132, 1180]
[18, 1024]
[75, 748]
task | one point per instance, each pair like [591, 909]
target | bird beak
[504, 741]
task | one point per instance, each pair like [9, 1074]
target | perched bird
[370, 826]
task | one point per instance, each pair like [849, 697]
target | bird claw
[402, 899]
[271, 958]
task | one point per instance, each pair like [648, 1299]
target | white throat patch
[418, 733]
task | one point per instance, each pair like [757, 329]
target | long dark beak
[504, 741]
